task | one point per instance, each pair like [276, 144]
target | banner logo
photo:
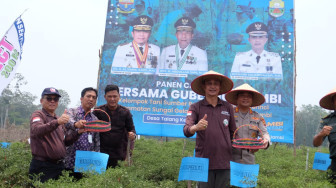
[126, 6]
[276, 8]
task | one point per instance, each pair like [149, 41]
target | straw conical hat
[226, 83]
[327, 102]
[257, 98]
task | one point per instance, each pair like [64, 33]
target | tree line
[16, 107]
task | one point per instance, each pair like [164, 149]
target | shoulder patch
[189, 113]
[274, 54]
[35, 119]
[263, 121]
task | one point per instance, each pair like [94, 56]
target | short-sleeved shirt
[84, 143]
[47, 137]
[214, 142]
[330, 120]
[250, 118]
[113, 142]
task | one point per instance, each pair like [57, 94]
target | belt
[55, 161]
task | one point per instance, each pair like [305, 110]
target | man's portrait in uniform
[138, 53]
[257, 62]
[184, 55]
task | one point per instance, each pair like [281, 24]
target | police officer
[138, 53]
[327, 129]
[245, 97]
[257, 60]
[184, 56]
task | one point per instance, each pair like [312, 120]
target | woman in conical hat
[245, 97]
[213, 120]
[328, 129]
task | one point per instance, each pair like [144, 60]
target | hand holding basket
[248, 143]
[97, 125]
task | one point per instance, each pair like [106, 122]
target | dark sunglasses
[49, 99]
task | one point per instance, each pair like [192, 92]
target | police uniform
[132, 55]
[192, 58]
[251, 62]
[252, 118]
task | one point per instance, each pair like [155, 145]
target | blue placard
[244, 175]
[90, 161]
[5, 144]
[321, 161]
[194, 168]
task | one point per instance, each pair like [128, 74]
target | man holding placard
[88, 141]
[212, 119]
[245, 97]
[327, 129]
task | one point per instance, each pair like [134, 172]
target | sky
[63, 39]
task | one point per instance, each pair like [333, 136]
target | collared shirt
[214, 142]
[88, 141]
[330, 120]
[126, 57]
[246, 62]
[251, 118]
[47, 138]
[196, 59]
[114, 142]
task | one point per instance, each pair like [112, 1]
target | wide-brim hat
[327, 101]
[197, 83]
[257, 98]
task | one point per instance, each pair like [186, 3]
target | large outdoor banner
[153, 49]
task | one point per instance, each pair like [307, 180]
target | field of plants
[156, 164]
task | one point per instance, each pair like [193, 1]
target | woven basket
[97, 125]
[248, 143]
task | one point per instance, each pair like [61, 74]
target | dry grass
[14, 134]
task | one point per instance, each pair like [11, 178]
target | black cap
[257, 29]
[50, 91]
[185, 24]
[142, 23]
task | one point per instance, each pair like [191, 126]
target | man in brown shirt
[213, 120]
[114, 142]
[48, 139]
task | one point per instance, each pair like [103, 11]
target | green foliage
[156, 165]
[19, 104]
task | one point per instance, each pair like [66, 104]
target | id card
[90, 138]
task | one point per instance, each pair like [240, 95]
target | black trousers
[332, 173]
[50, 170]
[219, 178]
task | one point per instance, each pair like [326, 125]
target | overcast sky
[63, 38]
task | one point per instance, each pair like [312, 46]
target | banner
[154, 49]
[10, 52]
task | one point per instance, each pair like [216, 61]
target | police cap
[257, 29]
[185, 24]
[142, 23]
